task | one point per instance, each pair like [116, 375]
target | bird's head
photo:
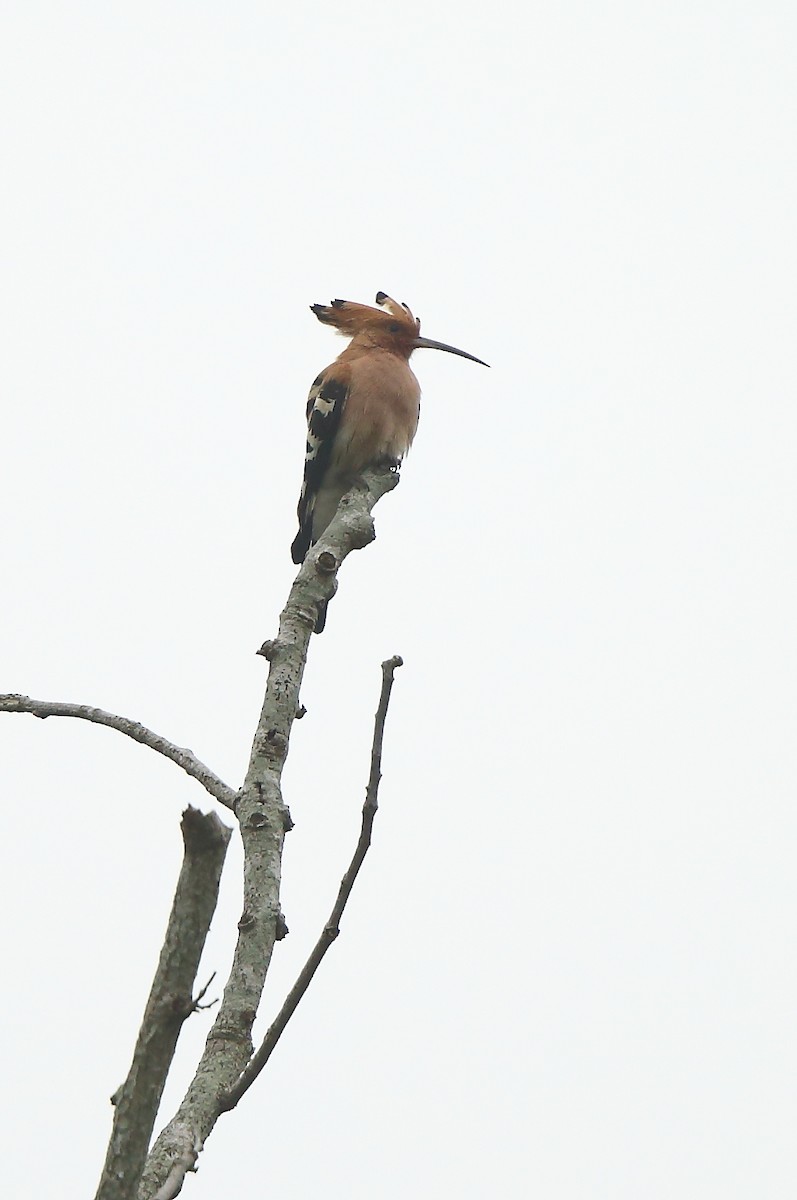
[389, 327]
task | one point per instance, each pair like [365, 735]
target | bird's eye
[394, 327]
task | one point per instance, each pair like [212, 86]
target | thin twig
[332, 927]
[196, 1003]
[186, 759]
[170, 1003]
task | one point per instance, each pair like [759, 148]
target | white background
[567, 969]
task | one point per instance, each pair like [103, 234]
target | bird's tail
[301, 543]
[321, 619]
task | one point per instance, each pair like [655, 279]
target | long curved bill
[423, 343]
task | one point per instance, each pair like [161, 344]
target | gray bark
[205, 841]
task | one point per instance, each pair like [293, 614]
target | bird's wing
[324, 408]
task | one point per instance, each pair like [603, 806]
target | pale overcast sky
[567, 969]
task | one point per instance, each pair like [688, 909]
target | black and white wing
[324, 409]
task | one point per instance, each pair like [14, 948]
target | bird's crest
[390, 327]
[391, 321]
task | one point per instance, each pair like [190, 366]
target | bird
[362, 410]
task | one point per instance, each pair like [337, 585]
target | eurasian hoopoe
[362, 409]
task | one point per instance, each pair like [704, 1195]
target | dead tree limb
[264, 820]
[186, 759]
[205, 841]
[332, 927]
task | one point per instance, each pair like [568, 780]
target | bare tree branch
[264, 820]
[205, 840]
[173, 1184]
[186, 759]
[332, 927]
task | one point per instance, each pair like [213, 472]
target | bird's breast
[380, 417]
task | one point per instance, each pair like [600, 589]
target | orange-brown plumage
[362, 409]
[391, 327]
